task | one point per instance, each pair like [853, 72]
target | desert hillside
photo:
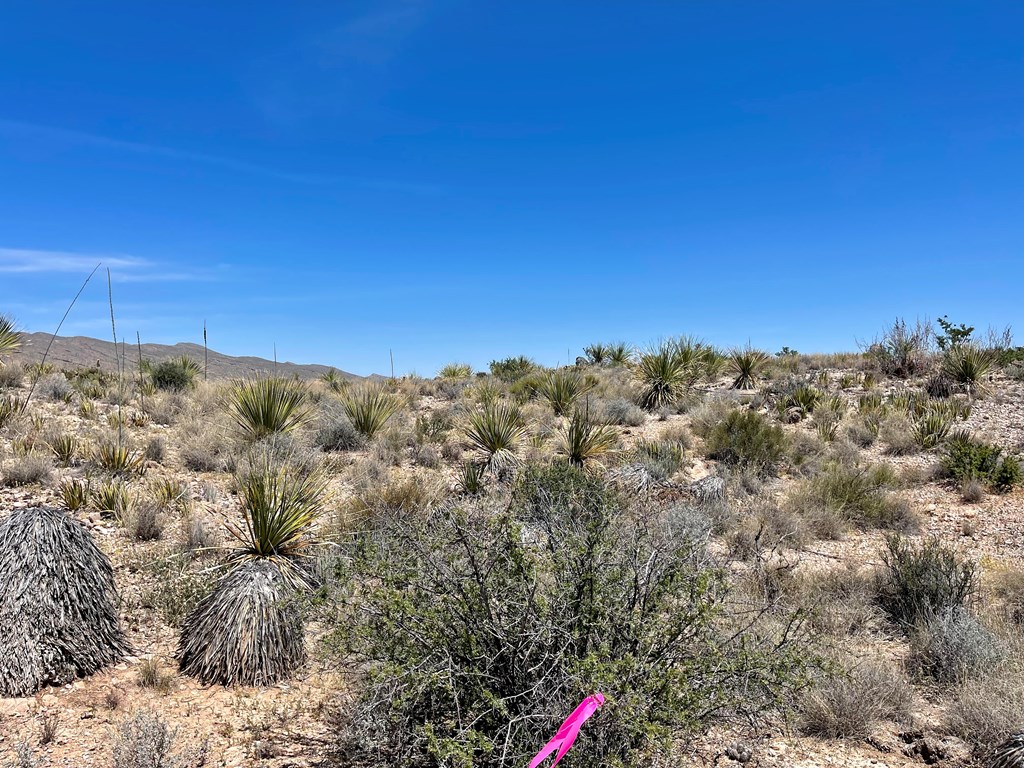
[83, 352]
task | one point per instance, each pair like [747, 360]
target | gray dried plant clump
[58, 615]
[248, 631]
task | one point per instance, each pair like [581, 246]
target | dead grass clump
[144, 523]
[146, 741]
[27, 470]
[953, 646]
[152, 675]
[987, 709]
[840, 601]
[850, 705]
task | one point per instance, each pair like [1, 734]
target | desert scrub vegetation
[903, 350]
[848, 704]
[174, 375]
[584, 441]
[511, 369]
[594, 596]
[264, 406]
[858, 494]
[745, 438]
[918, 583]
[967, 459]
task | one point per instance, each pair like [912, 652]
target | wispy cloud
[124, 269]
[34, 131]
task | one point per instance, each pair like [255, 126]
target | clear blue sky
[469, 180]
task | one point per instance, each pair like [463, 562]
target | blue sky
[470, 180]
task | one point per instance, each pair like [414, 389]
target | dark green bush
[173, 375]
[745, 438]
[969, 459]
[481, 627]
[918, 584]
[512, 368]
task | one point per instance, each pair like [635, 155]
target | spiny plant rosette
[58, 604]
[249, 630]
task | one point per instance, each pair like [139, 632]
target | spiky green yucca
[10, 338]
[267, 406]
[495, 432]
[563, 388]
[620, 353]
[597, 354]
[669, 370]
[747, 366]
[279, 503]
[968, 366]
[455, 371]
[584, 441]
[369, 408]
[58, 604]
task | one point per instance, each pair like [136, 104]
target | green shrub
[917, 584]
[855, 493]
[969, 459]
[480, 628]
[745, 438]
[512, 368]
[175, 375]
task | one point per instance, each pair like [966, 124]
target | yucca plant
[597, 354]
[170, 492]
[119, 459]
[968, 366]
[279, 504]
[249, 630]
[65, 448]
[10, 406]
[932, 429]
[370, 407]
[334, 380]
[620, 353]
[583, 441]
[10, 338]
[747, 366]
[455, 371]
[663, 375]
[113, 498]
[471, 478]
[58, 602]
[267, 406]
[562, 388]
[74, 494]
[495, 432]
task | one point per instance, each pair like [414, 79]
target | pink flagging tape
[569, 730]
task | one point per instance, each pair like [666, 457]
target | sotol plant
[747, 366]
[263, 407]
[563, 388]
[968, 366]
[584, 441]
[369, 409]
[495, 432]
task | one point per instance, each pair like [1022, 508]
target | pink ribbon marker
[569, 730]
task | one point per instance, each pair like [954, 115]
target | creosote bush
[593, 596]
[746, 438]
[967, 459]
[918, 584]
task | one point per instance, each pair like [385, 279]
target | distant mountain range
[82, 351]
